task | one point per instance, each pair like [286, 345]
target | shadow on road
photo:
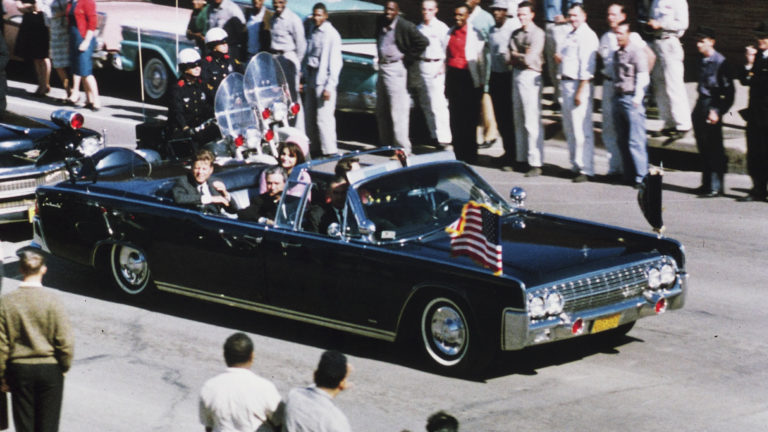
[85, 281]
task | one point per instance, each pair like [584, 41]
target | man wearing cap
[500, 81]
[191, 105]
[716, 93]
[400, 46]
[36, 348]
[227, 15]
[527, 59]
[218, 63]
[320, 68]
[755, 75]
[432, 67]
[668, 22]
[577, 56]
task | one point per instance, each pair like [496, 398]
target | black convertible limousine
[387, 271]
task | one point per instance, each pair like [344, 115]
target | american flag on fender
[477, 234]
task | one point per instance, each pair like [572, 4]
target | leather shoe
[487, 144]
[581, 178]
[710, 194]
[533, 172]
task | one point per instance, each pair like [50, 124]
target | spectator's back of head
[441, 421]
[238, 349]
[30, 262]
[331, 370]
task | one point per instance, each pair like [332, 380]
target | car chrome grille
[27, 186]
[604, 287]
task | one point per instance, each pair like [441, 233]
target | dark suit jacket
[411, 43]
[757, 80]
[185, 193]
[262, 206]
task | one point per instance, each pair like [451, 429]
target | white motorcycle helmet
[215, 36]
[188, 59]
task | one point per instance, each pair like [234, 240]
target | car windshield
[423, 200]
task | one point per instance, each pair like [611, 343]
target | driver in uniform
[218, 64]
[190, 106]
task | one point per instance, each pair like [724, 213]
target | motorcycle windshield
[233, 112]
[265, 82]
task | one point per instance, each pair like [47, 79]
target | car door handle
[287, 245]
[233, 240]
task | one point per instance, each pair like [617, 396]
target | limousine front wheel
[446, 334]
[130, 269]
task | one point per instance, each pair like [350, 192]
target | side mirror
[518, 196]
[334, 230]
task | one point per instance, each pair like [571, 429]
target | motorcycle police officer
[218, 63]
[190, 112]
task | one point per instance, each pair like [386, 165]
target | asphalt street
[139, 367]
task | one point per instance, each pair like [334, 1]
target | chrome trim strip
[276, 311]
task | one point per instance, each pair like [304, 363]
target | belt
[607, 78]
[277, 52]
[665, 36]
[565, 78]
[382, 61]
[430, 60]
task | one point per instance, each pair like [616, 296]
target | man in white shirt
[321, 67]
[312, 408]
[289, 41]
[238, 400]
[432, 68]
[668, 22]
[576, 57]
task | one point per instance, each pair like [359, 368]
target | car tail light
[239, 141]
[577, 327]
[295, 108]
[266, 113]
[269, 135]
[661, 305]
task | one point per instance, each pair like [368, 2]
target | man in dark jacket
[400, 45]
[755, 75]
[716, 94]
[199, 190]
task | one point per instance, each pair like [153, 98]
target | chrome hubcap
[448, 331]
[133, 266]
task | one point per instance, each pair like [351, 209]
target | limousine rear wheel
[447, 335]
[130, 269]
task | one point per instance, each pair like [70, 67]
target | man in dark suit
[755, 75]
[400, 45]
[199, 190]
[264, 207]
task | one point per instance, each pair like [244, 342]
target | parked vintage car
[386, 271]
[158, 32]
[33, 152]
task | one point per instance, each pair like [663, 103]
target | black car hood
[20, 137]
[540, 248]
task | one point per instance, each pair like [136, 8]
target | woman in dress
[60, 42]
[82, 20]
[33, 41]
[290, 154]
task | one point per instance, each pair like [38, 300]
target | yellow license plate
[31, 213]
[606, 323]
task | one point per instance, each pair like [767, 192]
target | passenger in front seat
[264, 207]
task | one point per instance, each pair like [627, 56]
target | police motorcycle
[271, 96]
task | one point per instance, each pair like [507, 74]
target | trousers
[668, 84]
[709, 142]
[393, 105]
[631, 138]
[36, 394]
[527, 113]
[320, 118]
[464, 102]
[438, 119]
[500, 89]
[578, 127]
[615, 164]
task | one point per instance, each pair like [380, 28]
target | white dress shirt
[238, 400]
[437, 34]
[672, 15]
[579, 52]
